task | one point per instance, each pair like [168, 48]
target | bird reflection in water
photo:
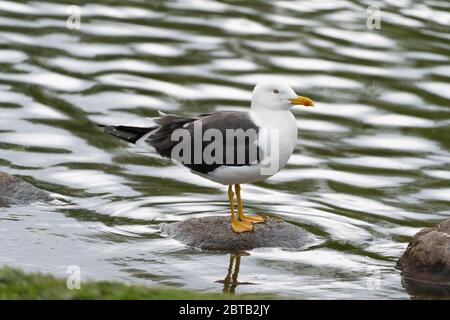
[231, 280]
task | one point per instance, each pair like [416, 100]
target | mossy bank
[16, 284]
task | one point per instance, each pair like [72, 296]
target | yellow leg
[226, 281]
[237, 225]
[241, 215]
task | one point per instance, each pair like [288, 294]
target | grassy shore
[16, 284]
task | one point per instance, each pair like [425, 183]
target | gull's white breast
[281, 123]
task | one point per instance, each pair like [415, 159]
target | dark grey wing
[165, 125]
[160, 139]
[240, 149]
[236, 151]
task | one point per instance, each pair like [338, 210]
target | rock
[214, 233]
[425, 265]
[16, 191]
[426, 290]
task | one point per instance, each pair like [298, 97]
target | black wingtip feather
[126, 133]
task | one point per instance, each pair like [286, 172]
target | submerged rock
[426, 290]
[16, 191]
[214, 233]
[425, 264]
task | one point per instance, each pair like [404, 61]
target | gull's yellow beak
[303, 101]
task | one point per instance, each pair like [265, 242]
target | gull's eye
[276, 91]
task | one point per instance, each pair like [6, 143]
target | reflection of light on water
[91, 180]
[396, 120]
[360, 180]
[437, 88]
[369, 169]
[394, 142]
[52, 80]
[12, 56]
[401, 163]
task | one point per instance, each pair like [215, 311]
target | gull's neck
[284, 124]
[273, 118]
[268, 117]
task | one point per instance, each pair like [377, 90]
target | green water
[371, 166]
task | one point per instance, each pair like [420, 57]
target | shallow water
[370, 169]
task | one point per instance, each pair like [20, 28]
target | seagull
[243, 146]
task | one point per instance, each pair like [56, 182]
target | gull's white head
[277, 96]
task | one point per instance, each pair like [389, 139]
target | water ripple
[370, 168]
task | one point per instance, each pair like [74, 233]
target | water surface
[370, 169]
